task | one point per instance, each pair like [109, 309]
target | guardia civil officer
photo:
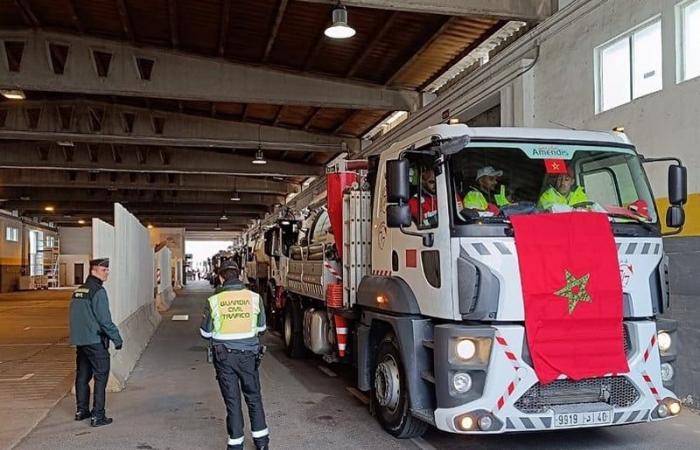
[233, 318]
[91, 329]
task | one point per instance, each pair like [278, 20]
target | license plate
[582, 419]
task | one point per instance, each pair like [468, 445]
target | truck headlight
[461, 382]
[465, 349]
[667, 372]
[664, 341]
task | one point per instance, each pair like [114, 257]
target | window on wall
[689, 39]
[12, 234]
[629, 67]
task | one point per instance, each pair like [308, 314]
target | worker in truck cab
[232, 321]
[486, 195]
[562, 191]
[423, 204]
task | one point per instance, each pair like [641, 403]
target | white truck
[431, 313]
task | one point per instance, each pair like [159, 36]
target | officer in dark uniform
[233, 318]
[91, 329]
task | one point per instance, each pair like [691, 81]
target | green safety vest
[475, 199]
[552, 197]
[234, 315]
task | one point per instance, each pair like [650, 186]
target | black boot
[82, 415]
[100, 421]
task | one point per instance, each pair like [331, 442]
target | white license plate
[582, 419]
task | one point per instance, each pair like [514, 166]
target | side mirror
[398, 216]
[675, 216]
[677, 185]
[397, 181]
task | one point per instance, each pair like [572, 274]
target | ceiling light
[13, 94]
[49, 208]
[150, 226]
[340, 29]
[65, 143]
[81, 222]
[224, 217]
[235, 197]
[217, 228]
[259, 157]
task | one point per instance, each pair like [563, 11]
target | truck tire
[390, 400]
[293, 332]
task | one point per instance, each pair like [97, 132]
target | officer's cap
[102, 262]
[228, 265]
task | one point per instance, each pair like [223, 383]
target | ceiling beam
[86, 121]
[59, 179]
[125, 20]
[414, 54]
[223, 26]
[360, 59]
[311, 118]
[311, 56]
[174, 29]
[188, 211]
[25, 155]
[275, 29]
[223, 199]
[180, 76]
[27, 13]
[528, 10]
[70, 4]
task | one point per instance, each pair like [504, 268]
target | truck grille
[616, 391]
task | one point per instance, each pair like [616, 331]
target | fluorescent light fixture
[340, 29]
[259, 157]
[13, 94]
[65, 143]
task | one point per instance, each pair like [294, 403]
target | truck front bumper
[506, 396]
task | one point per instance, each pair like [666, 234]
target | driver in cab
[423, 205]
[563, 191]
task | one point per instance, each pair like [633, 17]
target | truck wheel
[293, 331]
[391, 402]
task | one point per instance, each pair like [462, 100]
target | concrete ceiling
[163, 104]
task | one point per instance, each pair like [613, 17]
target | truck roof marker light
[382, 300]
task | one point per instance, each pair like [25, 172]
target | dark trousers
[236, 372]
[92, 362]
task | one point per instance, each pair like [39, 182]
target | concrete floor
[172, 402]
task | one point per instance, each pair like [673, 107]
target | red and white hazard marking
[332, 271]
[647, 379]
[513, 358]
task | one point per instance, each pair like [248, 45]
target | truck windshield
[493, 181]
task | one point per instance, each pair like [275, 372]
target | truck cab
[448, 266]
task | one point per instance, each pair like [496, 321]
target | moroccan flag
[572, 291]
[555, 166]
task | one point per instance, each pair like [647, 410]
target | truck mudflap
[512, 399]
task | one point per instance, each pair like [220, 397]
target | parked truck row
[424, 294]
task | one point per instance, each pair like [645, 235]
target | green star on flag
[575, 290]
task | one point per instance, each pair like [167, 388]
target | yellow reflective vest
[552, 197]
[233, 315]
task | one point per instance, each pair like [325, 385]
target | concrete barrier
[137, 330]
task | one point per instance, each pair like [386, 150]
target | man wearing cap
[233, 318]
[561, 191]
[483, 196]
[91, 329]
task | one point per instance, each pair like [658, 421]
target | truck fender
[398, 294]
[412, 332]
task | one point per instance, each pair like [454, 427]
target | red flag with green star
[572, 294]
